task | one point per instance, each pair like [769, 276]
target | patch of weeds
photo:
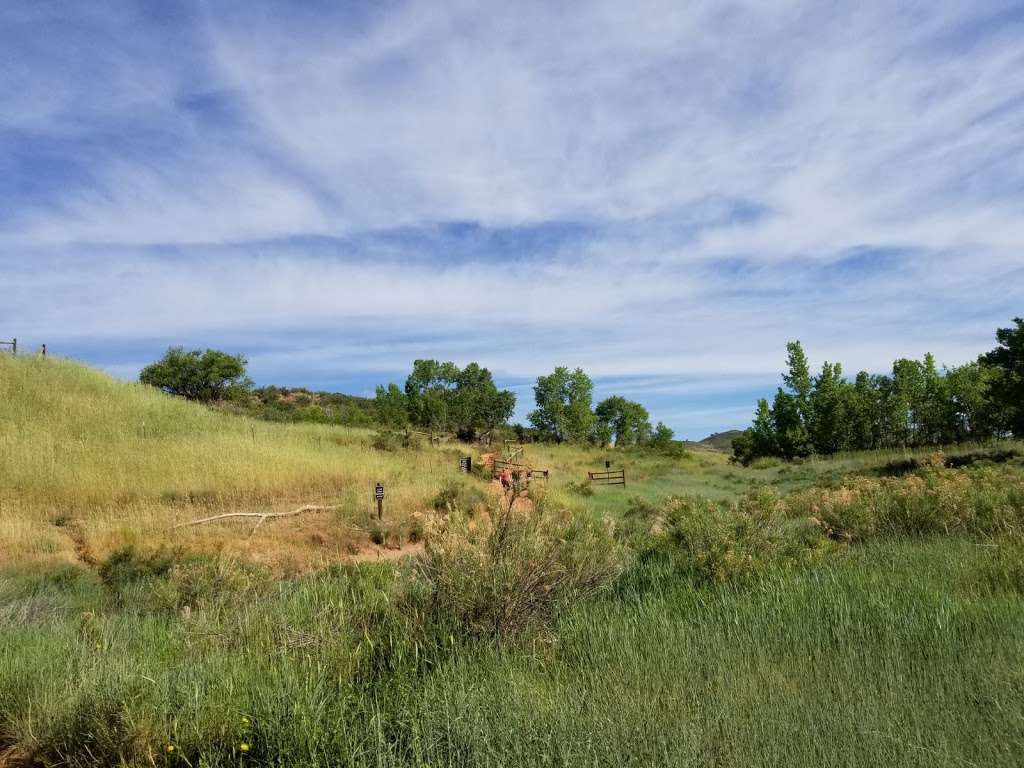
[456, 493]
[579, 487]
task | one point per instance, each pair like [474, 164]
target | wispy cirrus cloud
[663, 193]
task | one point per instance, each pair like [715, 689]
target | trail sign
[465, 464]
[378, 494]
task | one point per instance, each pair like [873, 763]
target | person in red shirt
[506, 478]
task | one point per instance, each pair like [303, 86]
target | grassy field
[857, 611]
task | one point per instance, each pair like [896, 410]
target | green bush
[708, 542]
[579, 487]
[981, 500]
[456, 493]
[393, 440]
[500, 574]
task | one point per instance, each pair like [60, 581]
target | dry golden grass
[90, 464]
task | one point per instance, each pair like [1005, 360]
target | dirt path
[373, 553]
[74, 532]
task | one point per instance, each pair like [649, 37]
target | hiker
[506, 478]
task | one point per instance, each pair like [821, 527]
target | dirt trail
[73, 531]
[373, 553]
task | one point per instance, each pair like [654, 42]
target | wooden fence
[610, 477]
[523, 470]
[13, 344]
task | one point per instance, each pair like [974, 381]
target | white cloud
[726, 161]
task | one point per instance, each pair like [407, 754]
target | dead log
[262, 516]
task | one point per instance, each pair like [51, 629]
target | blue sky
[662, 193]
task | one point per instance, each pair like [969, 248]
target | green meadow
[860, 611]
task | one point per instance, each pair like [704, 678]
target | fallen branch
[263, 516]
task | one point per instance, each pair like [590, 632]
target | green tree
[907, 399]
[430, 393]
[478, 403]
[564, 399]
[829, 422]
[798, 378]
[441, 396]
[863, 412]
[972, 413]
[195, 375]
[392, 407]
[662, 437]
[625, 421]
[1007, 386]
[791, 434]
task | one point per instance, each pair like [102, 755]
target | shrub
[708, 542]
[579, 487]
[502, 573]
[393, 440]
[982, 500]
[455, 493]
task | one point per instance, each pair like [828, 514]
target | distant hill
[722, 441]
[297, 404]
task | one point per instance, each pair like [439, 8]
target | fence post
[14, 346]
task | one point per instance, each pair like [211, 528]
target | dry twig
[263, 516]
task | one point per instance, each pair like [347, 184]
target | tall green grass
[786, 615]
[897, 653]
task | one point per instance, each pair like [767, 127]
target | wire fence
[13, 344]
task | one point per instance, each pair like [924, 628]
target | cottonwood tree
[195, 375]
[392, 407]
[564, 399]
[441, 396]
[1007, 390]
[916, 405]
[623, 421]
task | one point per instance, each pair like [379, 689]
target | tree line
[441, 397]
[916, 405]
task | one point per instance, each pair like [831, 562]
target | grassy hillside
[113, 463]
[722, 441]
[859, 611]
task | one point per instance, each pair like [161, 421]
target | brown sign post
[378, 494]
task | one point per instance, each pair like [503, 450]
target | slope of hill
[115, 463]
[300, 405]
[180, 650]
[722, 441]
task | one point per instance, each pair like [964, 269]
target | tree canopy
[621, 421]
[440, 396]
[1007, 381]
[564, 400]
[915, 405]
[204, 376]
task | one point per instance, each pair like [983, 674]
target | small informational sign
[378, 492]
[607, 465]
[465, 464]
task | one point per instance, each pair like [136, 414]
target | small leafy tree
[204, 376]
[662, 437]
